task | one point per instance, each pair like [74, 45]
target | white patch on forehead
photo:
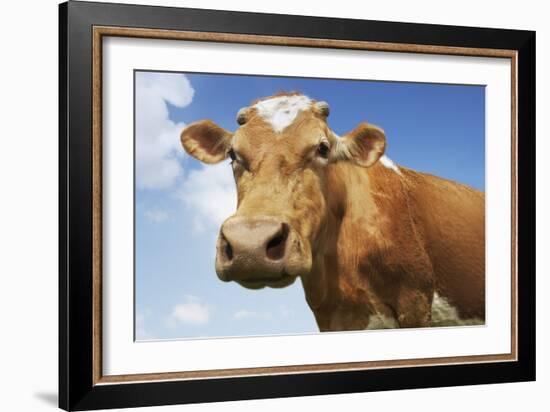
[387, 162]
[444, 314]
[281, 111]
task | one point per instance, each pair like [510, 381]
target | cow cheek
[299, 260]
[316, 211]
[310, 216]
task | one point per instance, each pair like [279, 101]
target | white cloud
[286, 312]
[209, 194]
[243, 314]
[157, 215]
[158, 149]
[191, 311]
[248, 314]
[283, 312]
[141, 330]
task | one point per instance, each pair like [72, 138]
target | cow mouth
[273, 282]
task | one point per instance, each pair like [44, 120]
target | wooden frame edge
[97, 229]
[97, 34]
[514, 218]
[297, 41]
[293, 369]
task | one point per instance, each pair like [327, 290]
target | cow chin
[282, 282]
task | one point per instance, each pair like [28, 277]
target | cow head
[280, 156]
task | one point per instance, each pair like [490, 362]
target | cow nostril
[227, 249]
[275, 248]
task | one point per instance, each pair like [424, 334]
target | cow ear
[206, 141]
[364, 145]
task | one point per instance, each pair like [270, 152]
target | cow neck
[349, 201]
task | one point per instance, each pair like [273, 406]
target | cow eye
[232, 155]
[322, 150]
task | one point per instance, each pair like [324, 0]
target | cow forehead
[281, 111]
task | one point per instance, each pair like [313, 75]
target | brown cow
[375, 245]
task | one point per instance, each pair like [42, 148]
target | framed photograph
[257, 205]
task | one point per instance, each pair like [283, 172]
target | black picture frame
[77, 390]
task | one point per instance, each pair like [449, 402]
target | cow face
[280, 156]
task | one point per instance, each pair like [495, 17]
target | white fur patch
[444, 314]
[281, 111]
[387, 162]
[380, 321]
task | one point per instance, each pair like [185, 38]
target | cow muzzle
[257, 252]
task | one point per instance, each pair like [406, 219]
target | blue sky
[180, 202]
